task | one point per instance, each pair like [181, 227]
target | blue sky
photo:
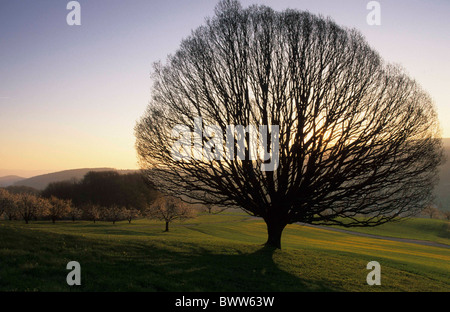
[70, 95]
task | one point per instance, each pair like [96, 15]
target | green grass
[433, 230]
[209, 253]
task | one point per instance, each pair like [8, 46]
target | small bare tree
[131, 214]
[92, 212]
[75, 213]
[8, 204]
[431, 212]
[11, 208]
[114, 213]
[30, 206]
[169, 209]
[58, 208]
[4, 194]
[446, 215]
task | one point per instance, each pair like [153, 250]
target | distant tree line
[107, 196]
[106, 189]
[28, 206]
[22, 189]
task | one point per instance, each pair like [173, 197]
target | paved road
[403, 240]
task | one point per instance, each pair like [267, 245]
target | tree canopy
[358, 140]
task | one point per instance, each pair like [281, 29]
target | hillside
[9, 180]
[40, 182]
[212, 253]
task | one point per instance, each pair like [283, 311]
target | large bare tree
[359, 140]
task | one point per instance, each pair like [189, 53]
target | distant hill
[9, 180]
[40, 182]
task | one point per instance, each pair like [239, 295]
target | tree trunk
[167, 227]
[274, 231]
[53, 220]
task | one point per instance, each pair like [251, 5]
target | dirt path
[395, 239]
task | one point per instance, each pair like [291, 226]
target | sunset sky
[70, 95]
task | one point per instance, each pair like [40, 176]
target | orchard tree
[352, 140]
[113, 213]
[8, 204]
[75, 213]
[431, 211]
[4, 194]
[446, 215]
[11, 207]
[31, 207]
[130, 214]
[208, 208]
[92, 212]
[169, 209]
[58, 208]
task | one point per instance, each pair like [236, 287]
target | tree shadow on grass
[203, 270]
[37, 260]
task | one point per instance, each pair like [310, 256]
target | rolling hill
[9, 180]
[40, 182]
[216, 253]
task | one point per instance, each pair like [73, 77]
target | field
[219, 253]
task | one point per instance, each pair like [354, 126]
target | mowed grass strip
[433, 230]
[210, 253]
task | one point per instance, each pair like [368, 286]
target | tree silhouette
[431, 212]
[58, 208]
[131, 214]
[358, 139]
[30, 206]
[114, 213]
[169, 209]
[8, 204]
[92, 212]
[75, 213]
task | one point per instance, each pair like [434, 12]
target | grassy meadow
[218, 253]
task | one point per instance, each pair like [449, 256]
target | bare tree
[10, 206]
[58, 208]
[30, 206]
[359, 140]
[131, 214]
[75, 213]
[446, 215]
[113, 213]
[169, 209]
[92, 212]
[7, 203]
[208, 208]
[211, 209]
[431, 212]
[3, 197]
